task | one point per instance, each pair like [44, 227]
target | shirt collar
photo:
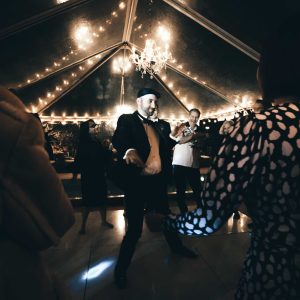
[141, 114]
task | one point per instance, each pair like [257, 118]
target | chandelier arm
[215, 29]
[85, 76]
[40, 18]
[149, 60]
[169, 91]
[70, 66]
[130, 13]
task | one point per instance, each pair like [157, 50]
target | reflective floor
[86, 262]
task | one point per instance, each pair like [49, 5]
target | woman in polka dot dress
[260, 164]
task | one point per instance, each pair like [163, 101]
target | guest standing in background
[186, 159]
[48, 145]
[90, 161]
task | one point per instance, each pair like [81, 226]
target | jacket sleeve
[122, 138]
[31, 183]
[171, 142]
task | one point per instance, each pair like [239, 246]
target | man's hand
[132, 157]
[198, 135]
[186, 139]
[192, 137]
[178, 130]
[151, 169]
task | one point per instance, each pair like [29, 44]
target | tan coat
[34, 209]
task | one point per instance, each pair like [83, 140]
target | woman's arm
[231, 172]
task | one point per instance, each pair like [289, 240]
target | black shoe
[120, 280]
[186, 252]
[236, 216]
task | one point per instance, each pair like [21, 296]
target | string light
[98, 118]
[165, 35]
[120, 64]
[82, 34]
[123, 109]
[244, 104]
[122, 5]
[161, 32]
[58, 88]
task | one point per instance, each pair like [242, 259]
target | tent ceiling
[100, 91]
[39, 39]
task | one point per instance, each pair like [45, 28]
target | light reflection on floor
[231, 226]
[150, 278]
[236, 226]
[97, 270]
[119, 221]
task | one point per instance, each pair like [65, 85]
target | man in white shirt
[186, 158]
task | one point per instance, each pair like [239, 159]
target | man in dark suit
[144, 152]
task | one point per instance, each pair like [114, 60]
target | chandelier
[152, 59]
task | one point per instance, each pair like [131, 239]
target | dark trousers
[182, 175]
[143, 191]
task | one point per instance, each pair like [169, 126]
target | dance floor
[86, 262]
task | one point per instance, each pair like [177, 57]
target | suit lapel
[141, 135]
[160, 129]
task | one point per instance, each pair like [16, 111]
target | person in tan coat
[34, 210]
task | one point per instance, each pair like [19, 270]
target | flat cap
[145, 91]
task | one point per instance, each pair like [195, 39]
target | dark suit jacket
[130, 133]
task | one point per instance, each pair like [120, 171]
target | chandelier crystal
[152, 59]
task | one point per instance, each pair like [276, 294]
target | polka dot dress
[258, 164]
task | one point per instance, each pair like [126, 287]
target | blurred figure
[225, 128]
[34, 209]
[260, 164]
[47, 146]
[90, 161]
[259, 106]
[110, 152]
